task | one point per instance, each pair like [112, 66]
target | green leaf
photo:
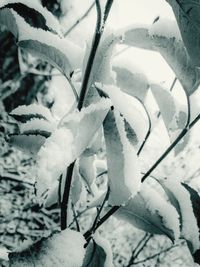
[195, 199]
[187, 14]
[98, 253]
[63, 249]
[25, 113]
[28, 143]
[149, 212]
[123, 166]
[185, 200]
[132, 82]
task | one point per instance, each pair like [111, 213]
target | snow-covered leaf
[34, 13]
[25, 113]
[130, 79]
[43, 44]
[195, 199]
[165, 39]
[28, 143]
[68, 142]
[132, 111]
[181, 199]
[37, 126]
[98, 253]
[123, 166]
[187, 14]
[96, 144]
[65, 249]
[148, 211]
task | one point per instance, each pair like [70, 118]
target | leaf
[174, 115]
[195, 199]
[132, 111]
[187, 15]
[28, 143]
[130, 79]
[24, 113]
[43, 44]
[33, 13]
[37, 126]
[63, 249]
[170, 47]
[87, 171]
[98, 253]
[149, 212]
[123, 166]
[181, 199]
[68, 142]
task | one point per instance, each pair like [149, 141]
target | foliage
[110, 113]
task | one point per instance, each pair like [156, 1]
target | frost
[190, 229]
[130, 108]
[166, 28]
[105, 245]
[53, 158]
[37, 125]
[51, 21]
[26, 32]
[33, 109]
[155, 203]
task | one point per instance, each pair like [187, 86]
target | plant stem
[84, 87]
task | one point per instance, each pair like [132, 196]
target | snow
[130, 108]
[37, 124]
[51, 20]
[105, 245]
[4, 254]
[155, 203]
[69, 49]
[165, 28]
[61, 94]
[33, 109]
[69, 246]
[132, 175]
[53, 158]
[190, 229]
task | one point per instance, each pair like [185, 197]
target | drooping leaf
[34, 14]
[130, 79]
[170, 46]
[173, 113]
[63, 249]
[148, 211]
[98, 253]
[182, 198]
[132, 111]
[187, 14]
[68, 142]
[123, 166]
[27, 143]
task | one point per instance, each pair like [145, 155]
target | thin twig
[80, 19]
